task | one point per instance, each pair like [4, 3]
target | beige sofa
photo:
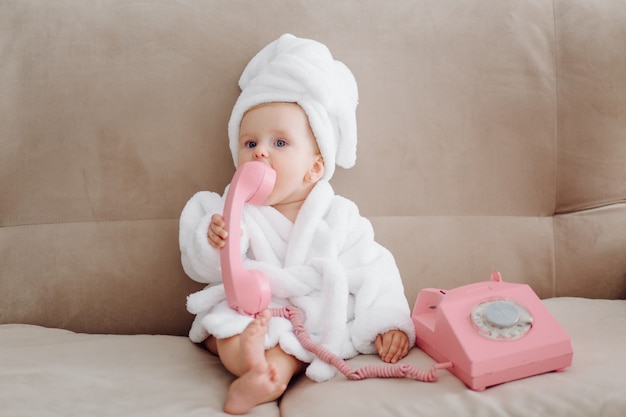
[492, 135]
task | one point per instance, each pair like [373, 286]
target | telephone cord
[371, 371]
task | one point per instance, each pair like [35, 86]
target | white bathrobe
[327, 264]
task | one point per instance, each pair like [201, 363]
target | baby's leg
[263, 376]
[252, 343]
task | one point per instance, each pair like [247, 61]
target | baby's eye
[250, 144]
[280, 143]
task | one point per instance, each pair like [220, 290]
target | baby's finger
[218, 220]
[394, 349]
[214, 241]
[400, 352]
[378, 344]
[404, 347]
[217, 236]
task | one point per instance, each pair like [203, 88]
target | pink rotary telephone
[247, 291]
[492, 332]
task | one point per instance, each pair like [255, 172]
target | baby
[297, 113]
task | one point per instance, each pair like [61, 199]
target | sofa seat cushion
[592, 386]
[53, 372]
[113, 375]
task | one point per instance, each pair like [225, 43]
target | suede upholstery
[492, 135]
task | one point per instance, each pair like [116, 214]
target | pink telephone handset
[491, 332]
[247, 291]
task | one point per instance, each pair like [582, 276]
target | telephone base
[480, 382]
[492, 332]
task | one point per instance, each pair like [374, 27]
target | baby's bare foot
[257, 386]
[260, 383]
[252, 342]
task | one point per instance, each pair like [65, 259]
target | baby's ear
[317, 170]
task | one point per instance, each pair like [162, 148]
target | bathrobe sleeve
[200, 260]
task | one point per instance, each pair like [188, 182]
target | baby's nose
[260, 152]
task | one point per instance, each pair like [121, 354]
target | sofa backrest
[492, 135]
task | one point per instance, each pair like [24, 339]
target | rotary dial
[501, 319]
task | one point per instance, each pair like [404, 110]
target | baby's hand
[217, 233]
[392, 346]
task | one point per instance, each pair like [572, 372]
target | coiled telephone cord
[371, 371]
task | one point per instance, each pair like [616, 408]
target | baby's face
[279, 134]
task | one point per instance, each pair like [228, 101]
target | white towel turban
[303, 71]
